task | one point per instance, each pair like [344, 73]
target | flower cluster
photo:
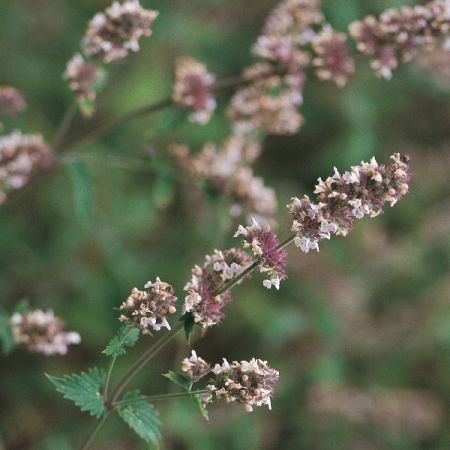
[20, 156]
[249, 382]
[295, 37]
[12, 101]
[192, 89]
[149, 308]
[226, 170]
[397, 34]
[342, 198]
[82, 76]
[42, 332]
[270, 103]
[264, 244]
[195, 368]
[331, 60]
[203, 301]
[111, 35]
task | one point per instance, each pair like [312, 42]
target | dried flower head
[20, 156]
[264, 244]
[249, 382]
[150, 308]
[42, 332]
[342, 198]
[195, 368]
[331, 56]
[202, 300]
[396, 35]
[82, 76]
[192, 89]
[114, 33]
[12, 101]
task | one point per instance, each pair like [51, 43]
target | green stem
[64, 127]
[142, 361]
[108, 378]
[94, 433]
[152, 398]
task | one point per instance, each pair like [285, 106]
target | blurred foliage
[371, 311]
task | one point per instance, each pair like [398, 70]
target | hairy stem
[94, 433]
[152, 398]
[142, 361]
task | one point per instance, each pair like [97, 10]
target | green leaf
[141, 417]
[126, 337]
[188, 320]
[83, 390]
[201, 407]
[82, 189]
[179, 379]
[6, 337]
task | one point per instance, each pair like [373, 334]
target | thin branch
[94, 433]
[142, 361]
[64, 127]
[221, 85]
[152, 398]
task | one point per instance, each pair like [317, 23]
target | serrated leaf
[126, 337]
[179, 379]
[201, 407]
[82, 189]
[141, 417]
[83, 390]
[6, 337]
[188, 321]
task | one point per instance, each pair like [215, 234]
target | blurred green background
[369, 315]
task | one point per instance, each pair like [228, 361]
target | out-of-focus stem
[94, 433]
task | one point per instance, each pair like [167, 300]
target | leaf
[201, 407]
[83, 390]
[126, 337]
[141, 417]
[188, 320]
[82, 189]
[6, 337]
[179, 379]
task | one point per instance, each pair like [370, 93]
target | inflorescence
[251, 383]
[202, 300]
[343, 198]
[20, 156]
[150, 308]
[42, 332]
[264, 244]
[397, 35]
[192, 89]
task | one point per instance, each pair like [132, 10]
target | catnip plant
[296, 43]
